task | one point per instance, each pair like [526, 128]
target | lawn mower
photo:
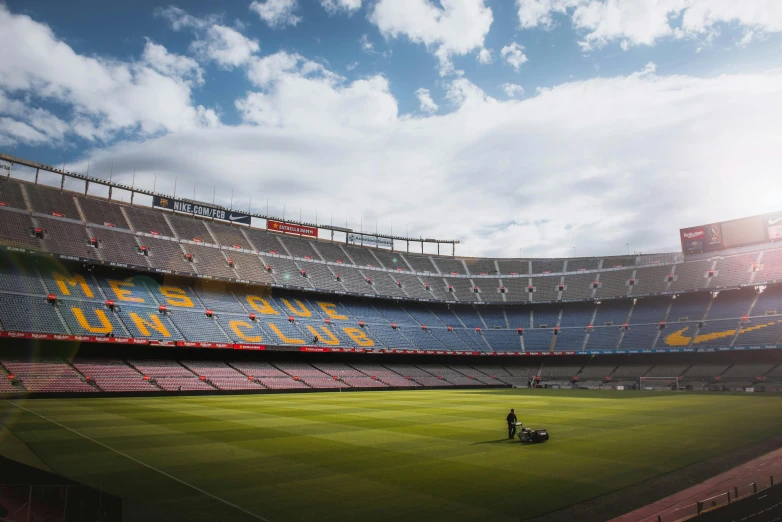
[530, 435]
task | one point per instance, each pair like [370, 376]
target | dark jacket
[511, 418]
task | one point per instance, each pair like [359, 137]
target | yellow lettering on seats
[259, 304]
[63, 281]
[236, 325]
[329, 337]
[144, 325]
[104, 328]
[359, 337]
[176, 296]
[330, 309]
[287, 340]
[301, 312]
[124, 295]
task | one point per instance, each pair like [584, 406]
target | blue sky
[537, 125]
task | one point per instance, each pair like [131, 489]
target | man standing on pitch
[511, 424]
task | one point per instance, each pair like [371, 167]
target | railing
[761, 482]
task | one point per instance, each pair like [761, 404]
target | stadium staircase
[79, 210]
[25, 197]
[58, 313]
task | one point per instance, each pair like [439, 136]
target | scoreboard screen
[729, 234]
[743, 232]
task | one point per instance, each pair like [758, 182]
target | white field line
[196, 488]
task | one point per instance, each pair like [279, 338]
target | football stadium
[194, 368]
[582, 321]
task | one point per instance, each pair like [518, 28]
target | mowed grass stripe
[420, 455]
[140, 463]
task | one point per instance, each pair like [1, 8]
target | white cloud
[485, 56]
[512, 90]
[172, 65]
[533, 13]
[268, 70]
[367, 46]
[300, 92]
[513, 55]
[102, 96]
[592, 164]
[352, 65]
[276, 13]
[214, 42]
[633, 23]
[425, 100]
[457, 28]
[349, 6]
[463, 92]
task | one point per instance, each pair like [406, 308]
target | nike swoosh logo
[774, 221]
[234, 218]
[678, 338]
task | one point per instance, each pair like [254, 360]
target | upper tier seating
[52, 201]
[68, 238]
[101, 212]
[18, 230]
[616, 276]
[148, 221]
[11, 194]
[229, 235]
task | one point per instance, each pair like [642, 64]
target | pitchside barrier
[729, 494]
[251, 346]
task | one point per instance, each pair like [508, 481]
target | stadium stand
[265, 242]
[390, 260]
[331, 252]
[651, 279]
[166, 255]
[114, 376]
[11, 194]
[210, 261]
[362, 256]
[300, 247]
[148, 221]
[118, 246]
[47, 376]
[513, 267]
[229, 235]
[546, 266]
[101, 212]
[17, 229]
[52, 202]
[421, 264]
[67, 237]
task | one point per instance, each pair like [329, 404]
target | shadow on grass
[498, 441]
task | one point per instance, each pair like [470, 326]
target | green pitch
[425, 455]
